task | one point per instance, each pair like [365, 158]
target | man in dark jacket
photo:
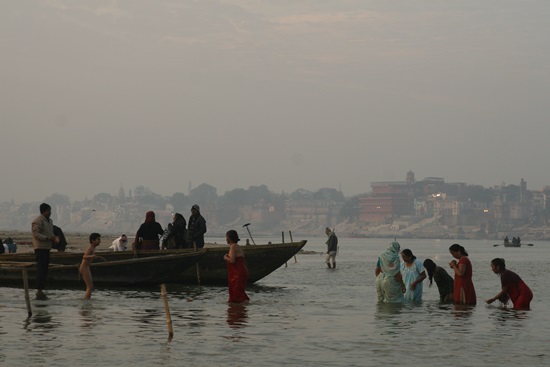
[332, 248]
[62, 240]
[196, 227]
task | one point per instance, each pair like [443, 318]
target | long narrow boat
[129, 272]
[261, 260]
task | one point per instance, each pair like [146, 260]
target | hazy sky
[288, 93]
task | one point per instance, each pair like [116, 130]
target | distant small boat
[510, 244]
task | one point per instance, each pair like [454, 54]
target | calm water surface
[303, 315]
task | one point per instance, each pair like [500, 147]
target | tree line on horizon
[206, 196]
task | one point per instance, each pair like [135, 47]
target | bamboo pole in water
[197, 264]
[291, 241]
[167, 311]
[283, 235]
[26, 285]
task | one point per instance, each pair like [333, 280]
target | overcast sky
[288, 93]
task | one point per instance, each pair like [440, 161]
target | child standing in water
[89, 255]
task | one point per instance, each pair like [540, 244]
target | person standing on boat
[237, 271]
[42, 239]
[332, 248]
[62, 245]
[147, 236]
[175, 235]
[197, 227]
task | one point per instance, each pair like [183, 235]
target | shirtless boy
[89, 255]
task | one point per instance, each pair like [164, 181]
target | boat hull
[211, 269]
[146, 271]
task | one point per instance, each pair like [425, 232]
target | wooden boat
[129, 272]
[510, 244]
[261, 260]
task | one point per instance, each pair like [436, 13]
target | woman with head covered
[147, 236]
[389, 278]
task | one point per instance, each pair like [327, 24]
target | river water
[301, 315]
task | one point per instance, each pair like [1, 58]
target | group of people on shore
[401, 281]
[149, 236]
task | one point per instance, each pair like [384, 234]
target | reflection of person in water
[237, 315]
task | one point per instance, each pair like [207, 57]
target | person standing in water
[237, 272]
[464, 291]
[332, 248]
[89, 256]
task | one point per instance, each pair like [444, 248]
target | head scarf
[150, 216]
[389, 260]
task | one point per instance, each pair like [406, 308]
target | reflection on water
[237, 320]
[237, 316]
[87, 315]
[387, 310]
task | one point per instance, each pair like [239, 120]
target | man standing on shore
[42, 240]
[332, 248]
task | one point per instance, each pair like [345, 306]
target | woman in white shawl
[389, 282]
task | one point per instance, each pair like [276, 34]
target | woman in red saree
[237, 272]
[464, 291]
[513, 287]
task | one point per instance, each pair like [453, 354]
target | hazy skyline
[291, 94]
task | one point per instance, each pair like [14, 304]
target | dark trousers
[199, 242]
[42, 263]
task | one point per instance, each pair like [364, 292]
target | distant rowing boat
[510, 244]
